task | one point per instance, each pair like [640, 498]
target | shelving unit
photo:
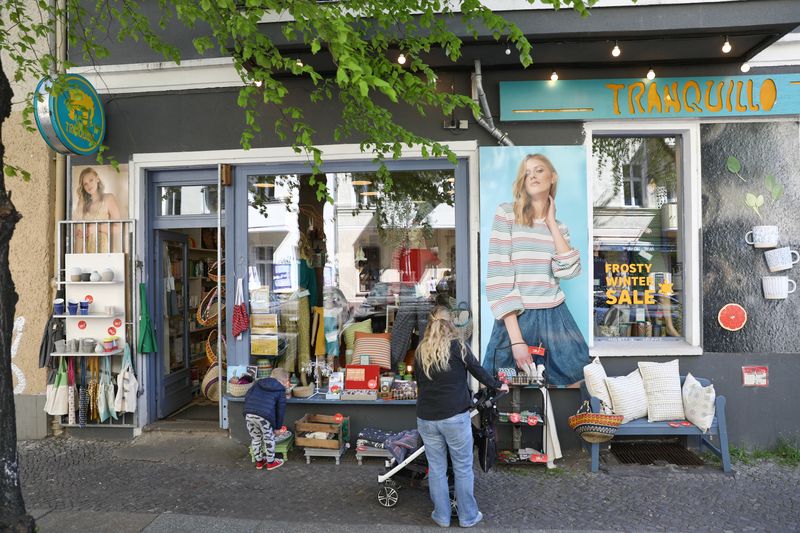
[91, 282]
[92, 354]
[90, 315]
[540, 410]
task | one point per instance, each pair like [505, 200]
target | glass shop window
[372, 259]
[638, 256]
[188, 200]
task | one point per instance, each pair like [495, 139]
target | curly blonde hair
[433, 351]
[523, 206]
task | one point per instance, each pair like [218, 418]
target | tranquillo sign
[72, 122]
[635, 98]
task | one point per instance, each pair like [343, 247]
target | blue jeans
[439, 436]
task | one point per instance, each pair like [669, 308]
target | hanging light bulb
[298, 63]
[726, 46]
[554, 76]
[508, 50]
[651, 74]
[745, 67]
[258, 83]
[401, 59]
[616, 50]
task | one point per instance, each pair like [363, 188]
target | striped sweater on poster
[524, 268]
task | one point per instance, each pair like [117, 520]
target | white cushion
[595, 376]
[662, 383]
[698, 403]
[627, 396]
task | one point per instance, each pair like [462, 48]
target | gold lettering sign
[714, 97]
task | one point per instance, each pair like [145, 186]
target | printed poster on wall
[530, 251]
[98, 193]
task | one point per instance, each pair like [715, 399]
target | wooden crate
[326, 423]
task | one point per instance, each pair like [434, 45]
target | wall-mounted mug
[763, 236]
[777, 287]
[781, 258]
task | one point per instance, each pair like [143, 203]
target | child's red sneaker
[277, 463]
[260, 464]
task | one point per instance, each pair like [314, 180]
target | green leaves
[774, 187]
[754, 202]
[734, 167]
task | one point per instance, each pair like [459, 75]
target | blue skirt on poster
[566, 352]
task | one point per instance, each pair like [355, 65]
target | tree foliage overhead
[361, 39]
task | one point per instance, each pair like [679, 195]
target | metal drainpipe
[60, 39]
[485, 118]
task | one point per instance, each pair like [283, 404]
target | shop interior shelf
[90, 315]
[80, 354]
[203, 250]
[90, 282]
[202, 329]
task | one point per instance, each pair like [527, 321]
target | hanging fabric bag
[240, 319]
[56, 403]
[147, 338]
[71, 391]
[92, 389]
[127, 386]
[105, 393]
[83, 396]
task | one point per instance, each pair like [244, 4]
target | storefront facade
[656, 193]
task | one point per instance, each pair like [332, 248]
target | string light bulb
[616, 50]
[508, 50]
[401, 59]
[745, 67]
[651, 74]
[726, 46]
[299, 63]
[554, 76]
[258, 83]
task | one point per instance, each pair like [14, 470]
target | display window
[347, 274]
[637, 237]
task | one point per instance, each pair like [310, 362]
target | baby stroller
[414, 469]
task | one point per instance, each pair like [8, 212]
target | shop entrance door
[172, 273]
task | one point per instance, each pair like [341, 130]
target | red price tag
[514, 417]
[88, 298]
[338, 418]
[82, 324]
[117, 323]
[112, 331]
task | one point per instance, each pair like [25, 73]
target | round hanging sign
[112, 331]
[82, 324]
[72, 122]
[117, 323]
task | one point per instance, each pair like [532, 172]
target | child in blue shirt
[264, 407]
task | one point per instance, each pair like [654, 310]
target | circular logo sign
[112, 331]
[82, 324]
[372, 384]
[117, 323]
[88, 298]
[72, 121]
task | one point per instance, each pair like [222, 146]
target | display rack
[537, 425]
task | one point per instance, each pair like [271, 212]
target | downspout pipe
[485, 117]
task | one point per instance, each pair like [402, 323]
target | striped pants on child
[262, 439]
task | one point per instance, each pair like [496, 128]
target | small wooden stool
[283, 448]
[372, 452]
[325, 452]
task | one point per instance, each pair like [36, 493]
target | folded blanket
[374, 434]
[399, 445]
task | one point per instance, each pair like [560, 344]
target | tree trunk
[13, 516]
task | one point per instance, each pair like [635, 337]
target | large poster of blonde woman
[99, 195]
[534, 241]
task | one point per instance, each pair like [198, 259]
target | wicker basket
[208, 310]
[213, 270]
[594, 428]
[211, 347]
[239, 389]
[210, 385]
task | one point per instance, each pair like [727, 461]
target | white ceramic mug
[777, 287]
[763, 236]
[781, 258]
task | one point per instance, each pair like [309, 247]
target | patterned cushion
[662, 383]
[595, 376]
[698, 403]
[628, 396]
[378, 346]
[351, 330]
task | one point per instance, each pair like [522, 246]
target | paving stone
[204, 477]
[89, 521]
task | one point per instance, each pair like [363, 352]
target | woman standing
[92, 203]
[529, 252]
[443, 420]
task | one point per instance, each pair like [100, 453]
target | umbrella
[147, 339]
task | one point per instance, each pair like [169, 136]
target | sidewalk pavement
[205, 482]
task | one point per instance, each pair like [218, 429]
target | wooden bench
[642, 428]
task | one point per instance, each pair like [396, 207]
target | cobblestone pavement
[200, 474]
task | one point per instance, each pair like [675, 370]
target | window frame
[689, 213]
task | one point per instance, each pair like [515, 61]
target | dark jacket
[446, 394]
[267, 399]
[53, 331]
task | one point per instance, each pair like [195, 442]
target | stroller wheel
[388, 496]
[453, 502]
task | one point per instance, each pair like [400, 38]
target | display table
[391, 415]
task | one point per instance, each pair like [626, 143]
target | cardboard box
[263, 323]
[264, 344]
[362, 377]
[335, 386]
